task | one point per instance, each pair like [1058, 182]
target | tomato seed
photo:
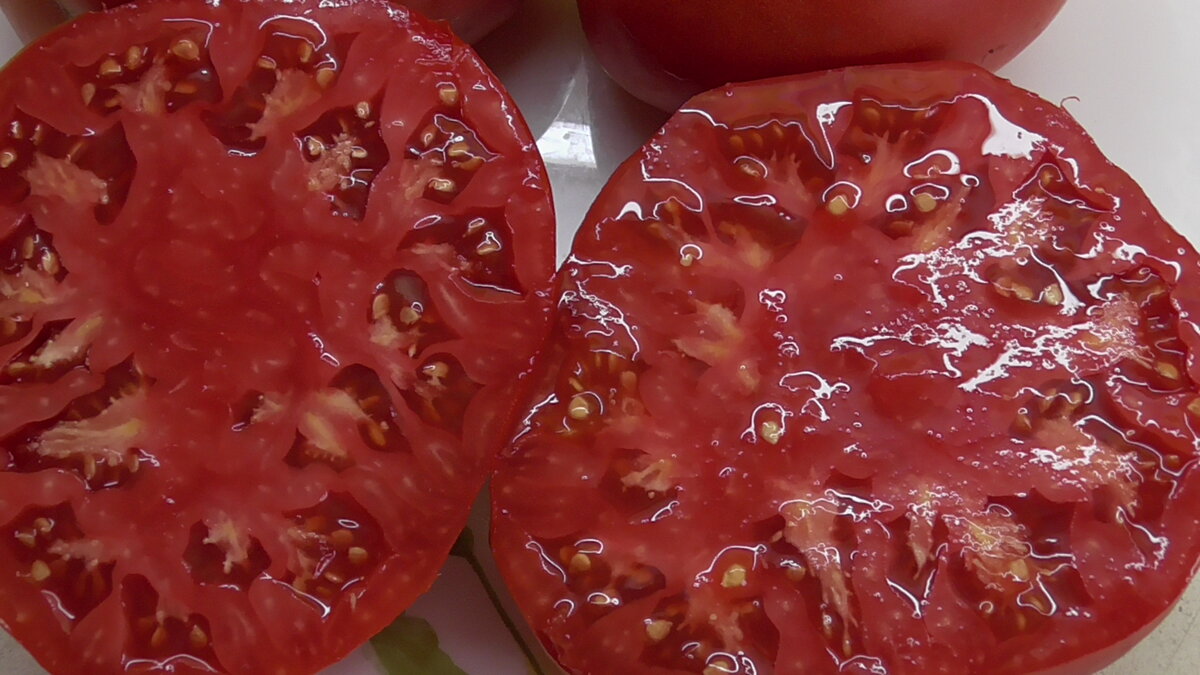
[838, 206]
[734, 577]
[198, 638]
[580, 407]
[443, 185]
[580, 562]
[428, 135]
[7, 158]
[39, 571]
[357, 555]
[110, 67]
[380, 306]
[750, 167]
[159, 638]
[50, 262]
[1194, 407]
[488, 246]
[720, 666]
[376, 433]
[771, 431]
[658, 629]
[436, 371]
[472, 164]
[1167, 370]
[341, 538]
[186, 49]
[133, 57]
[448, 95]
[629, 380]
[1052, 295]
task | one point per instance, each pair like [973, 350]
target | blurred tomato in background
[664, 51]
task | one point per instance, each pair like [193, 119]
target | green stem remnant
[465, 548]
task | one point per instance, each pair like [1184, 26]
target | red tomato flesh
[268, 273]
[883, 370]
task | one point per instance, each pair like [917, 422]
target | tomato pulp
[663, 51]
[470, 19]
[268, 274]
[883, 370]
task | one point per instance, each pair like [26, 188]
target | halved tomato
[470, 19]
[884, 370]
[268, 274]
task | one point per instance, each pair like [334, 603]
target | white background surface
[1129, 70]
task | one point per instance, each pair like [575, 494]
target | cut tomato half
[269, 272]
[884, 370]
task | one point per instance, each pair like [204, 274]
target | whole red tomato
[664, 51]
[470, 19]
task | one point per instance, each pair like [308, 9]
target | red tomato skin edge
[638, 70]
[1097, 661]
[628, 63]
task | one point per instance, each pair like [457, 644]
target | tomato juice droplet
[253, 370]
[882, 369]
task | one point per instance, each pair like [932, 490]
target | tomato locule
[880, 370]
[269, 272]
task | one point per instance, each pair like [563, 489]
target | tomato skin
[765, 255]
[269, 275]
[664, 51]
[470, 19]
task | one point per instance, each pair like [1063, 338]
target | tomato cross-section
[269, 274]
[883, 370]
